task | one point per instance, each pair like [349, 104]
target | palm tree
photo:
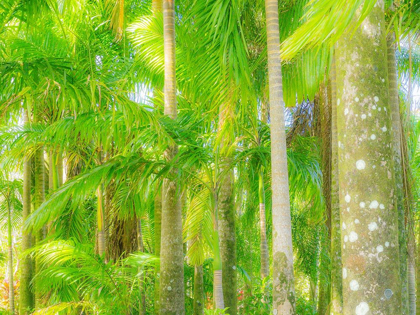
[283, 278]
[172, 266]
[369, 221]
[26, 303]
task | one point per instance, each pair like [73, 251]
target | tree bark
[265, 260]
[325, 275]
[198, 291]
[283, 278]
[39, 198]
[10, 257]
[370, 251]
[172, 260]
[226, 229]
[336, 267]
[399, 186]
[26, 304]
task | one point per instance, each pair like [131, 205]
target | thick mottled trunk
[198, 291]
[399, 187]
[325, 274]
[336, 267]
[265, 260]
[283, 278]
[218, 296]
[370, 251]
[172, 260]
[226, 228]
[10, 258]
[26, 304]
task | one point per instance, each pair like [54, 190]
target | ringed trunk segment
[283, 278]
[172, 256]
[369, 220]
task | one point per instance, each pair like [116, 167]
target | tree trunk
[265, 260]
[399, 186]
[370, 251]
[158, 223]
[10, 258]
[283, 278]
[172, 260]
[325, 274]
[198, 291]
[101, 222]
[39, 193]
[226, 229]
[26, 304]
[142, 304]
[336, 267]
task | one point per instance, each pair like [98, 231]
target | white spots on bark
[353, 237]
[360, 165]
[344, 226]
[354, 285]
[374, 204]
[344, 273]
[376, 99]
[357, 221]
[381, 206]
[372, 226]
[362, 204]
[374, 107]
[338, 102]
[346, 239]
[384, 129]
[169, 288]
[386, 244]
[373, 137]
[362, 308]
[356, 99]
[347, 198]
[346, 111]
[379, 248]
[363, 116]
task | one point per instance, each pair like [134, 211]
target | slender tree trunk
[142, 304]
[265, 261]
[198, 291]
[218, 296]
[325, 274]
[283, 278]
[38, 200]
[399, 186]
[26, 304]
[10, 245]
[336, 263]
[101, 222]
[370, 251]
[157, 8]
[226, 229]
[158, 224]
[172, 260]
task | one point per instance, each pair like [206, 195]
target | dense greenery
[144, 167]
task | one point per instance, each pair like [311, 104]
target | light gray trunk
[283, 278]
[370, 244]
